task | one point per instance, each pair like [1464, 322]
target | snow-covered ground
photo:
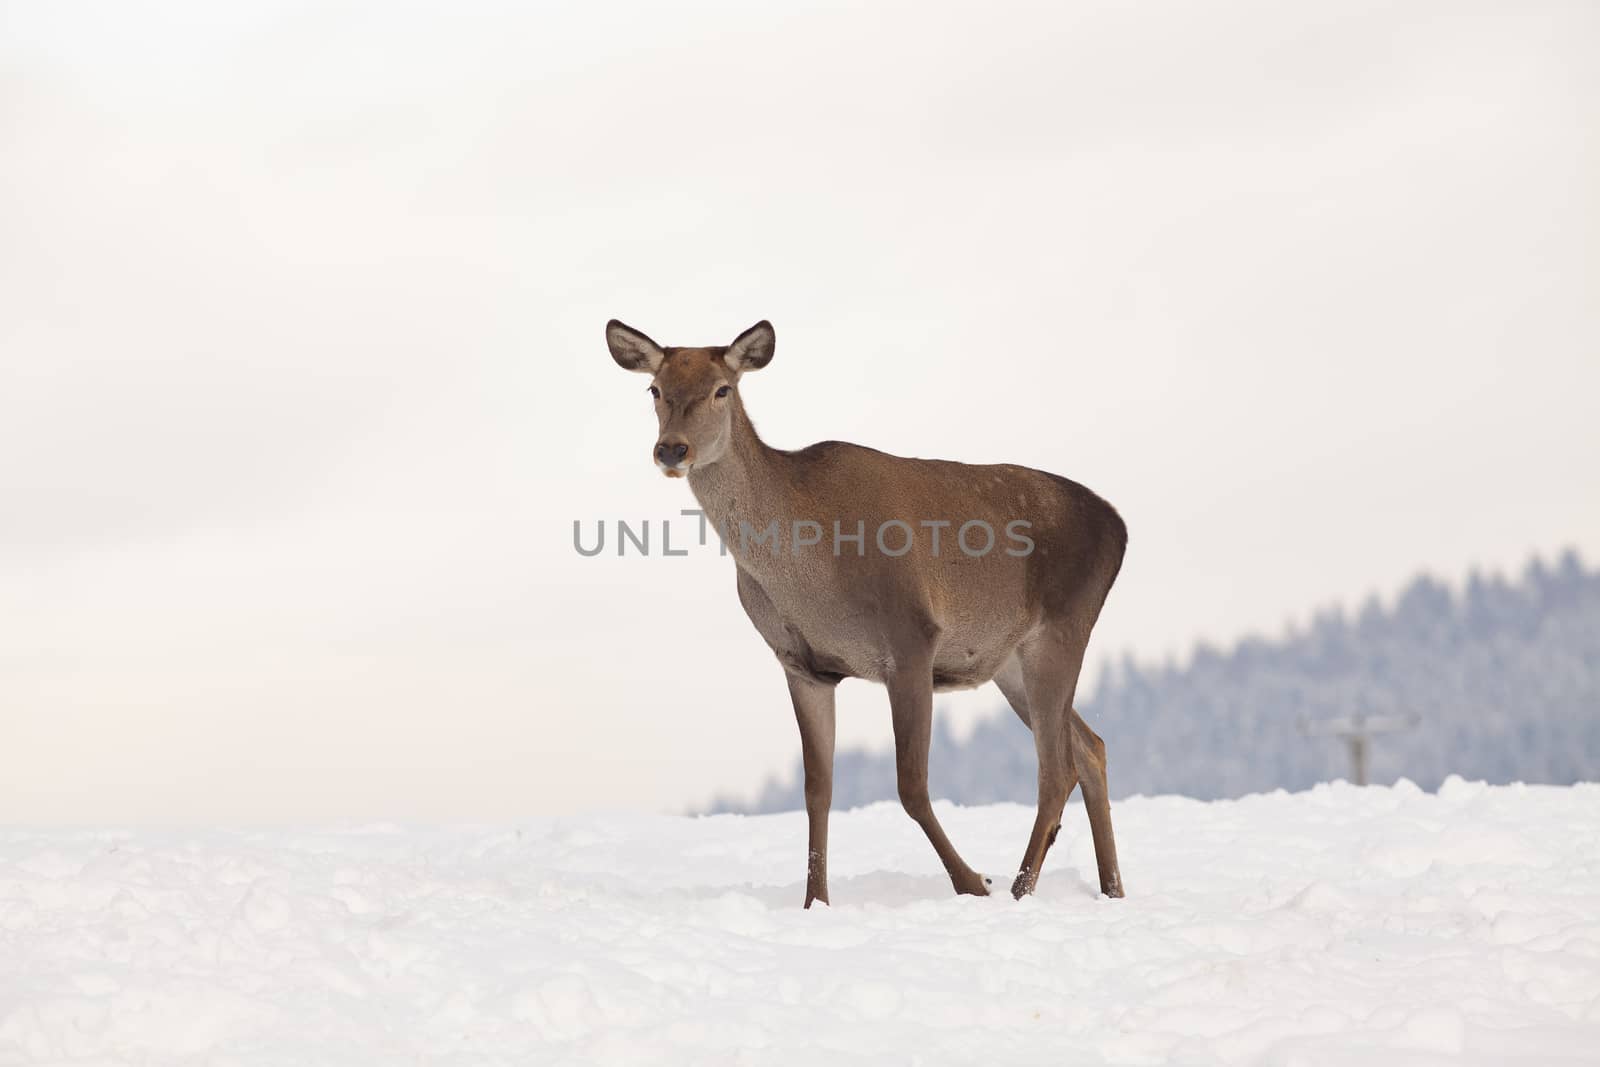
[1369, 926]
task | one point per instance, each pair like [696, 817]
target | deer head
[695, 390]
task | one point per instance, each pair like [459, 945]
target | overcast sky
[302, 377]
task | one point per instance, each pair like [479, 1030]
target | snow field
[1342, 925]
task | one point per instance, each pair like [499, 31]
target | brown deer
[915, 588]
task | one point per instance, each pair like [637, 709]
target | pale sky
[303, 379]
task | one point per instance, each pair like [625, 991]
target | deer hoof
[971, 884]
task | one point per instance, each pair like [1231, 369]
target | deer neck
[743, 486]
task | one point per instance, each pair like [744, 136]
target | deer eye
[655, 392]
[722, 391]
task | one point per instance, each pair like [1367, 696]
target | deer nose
[671, 454]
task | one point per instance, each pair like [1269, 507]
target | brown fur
[917, 622]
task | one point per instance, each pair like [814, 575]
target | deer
[917, 609]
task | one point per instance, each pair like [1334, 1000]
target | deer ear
[633, 350]
[752, 349]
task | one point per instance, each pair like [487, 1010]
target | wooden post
[1357, 732]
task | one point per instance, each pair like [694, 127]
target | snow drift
[1339, 925]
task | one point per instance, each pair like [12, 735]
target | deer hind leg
[911, 704]
[1089, 757]
[1050, 664]
[1010, 681]
[1069, 752]
[1085, 763]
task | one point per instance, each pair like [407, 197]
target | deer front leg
[911, 703]
[813, 710]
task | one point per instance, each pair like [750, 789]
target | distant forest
[1503, 677]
